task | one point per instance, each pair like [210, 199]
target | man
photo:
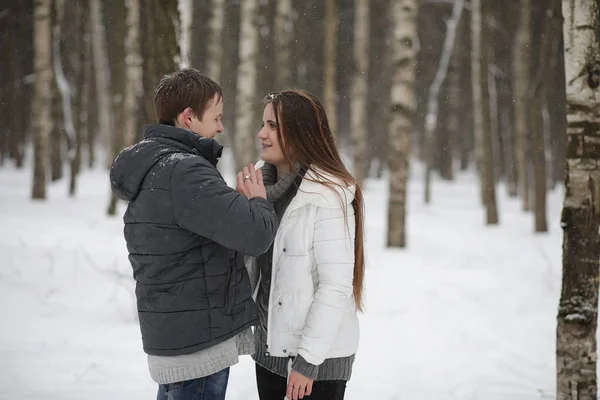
[186, 233]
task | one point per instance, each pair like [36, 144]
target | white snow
[466, 312]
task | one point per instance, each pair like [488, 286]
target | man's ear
[187, 115]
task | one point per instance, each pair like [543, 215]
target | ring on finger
[246, 177]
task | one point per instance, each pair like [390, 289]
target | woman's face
[269, 138]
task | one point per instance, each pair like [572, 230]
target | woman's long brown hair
[305, 138]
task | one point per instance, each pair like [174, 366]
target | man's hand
[250, 183]
[298, 386]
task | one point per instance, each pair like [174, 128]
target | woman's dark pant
[273, 387]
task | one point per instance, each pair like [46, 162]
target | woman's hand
[250, 183]
[298, 386]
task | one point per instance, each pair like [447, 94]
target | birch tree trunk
[432, 115]
[42, 95]
[358, 114]
[404, 15]
[247, 82]
[215, 44]
[481, 109]
[580, 219]
[522, 63]
[103, 84]
[330, 93]
[284, 36]
[185, 11]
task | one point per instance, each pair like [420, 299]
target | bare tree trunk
[345, 72]
[58, 129]
[481, 110]
[284, 36]
[466, 121]
[103, 82]
[558, 110]
[200, 28]
[454, 105]
[231, 43]
[215, 45]
[185, 42]
[42, 95]
[380, 73]
[63, 85]
[522, 62]
[507, 16]
[133, 78]
[247, 82]
[358, 114]
[330, 93]
[404, 14]
[115, 16]
[538, 95]
[5, 71]
[580, 219]
[79, 94]
[431, 119]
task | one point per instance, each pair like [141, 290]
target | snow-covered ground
[466, 312]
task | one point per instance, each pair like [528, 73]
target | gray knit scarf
[276, 188]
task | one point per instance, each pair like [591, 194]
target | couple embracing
[272, 269]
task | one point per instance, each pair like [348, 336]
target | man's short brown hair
[182, 89]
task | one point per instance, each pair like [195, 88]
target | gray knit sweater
[280, 193]
[206, 362]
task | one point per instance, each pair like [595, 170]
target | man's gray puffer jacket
[186, 233]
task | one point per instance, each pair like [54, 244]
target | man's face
[210, 124]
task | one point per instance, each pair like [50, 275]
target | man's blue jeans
[212, 387]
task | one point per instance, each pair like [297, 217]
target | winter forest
[472, 125]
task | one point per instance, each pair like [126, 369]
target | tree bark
[481, 110]
[330, 93]
[42, 95]
[404, 14]
[247, 84]
[578, 308]
[358, 114]
[522, 63]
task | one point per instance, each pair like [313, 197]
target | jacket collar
[315, 190]
[185, 140]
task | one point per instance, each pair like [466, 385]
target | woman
[309, 284]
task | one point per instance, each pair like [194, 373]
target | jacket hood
[131, 166]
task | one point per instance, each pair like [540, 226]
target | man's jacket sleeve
[204, 204]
